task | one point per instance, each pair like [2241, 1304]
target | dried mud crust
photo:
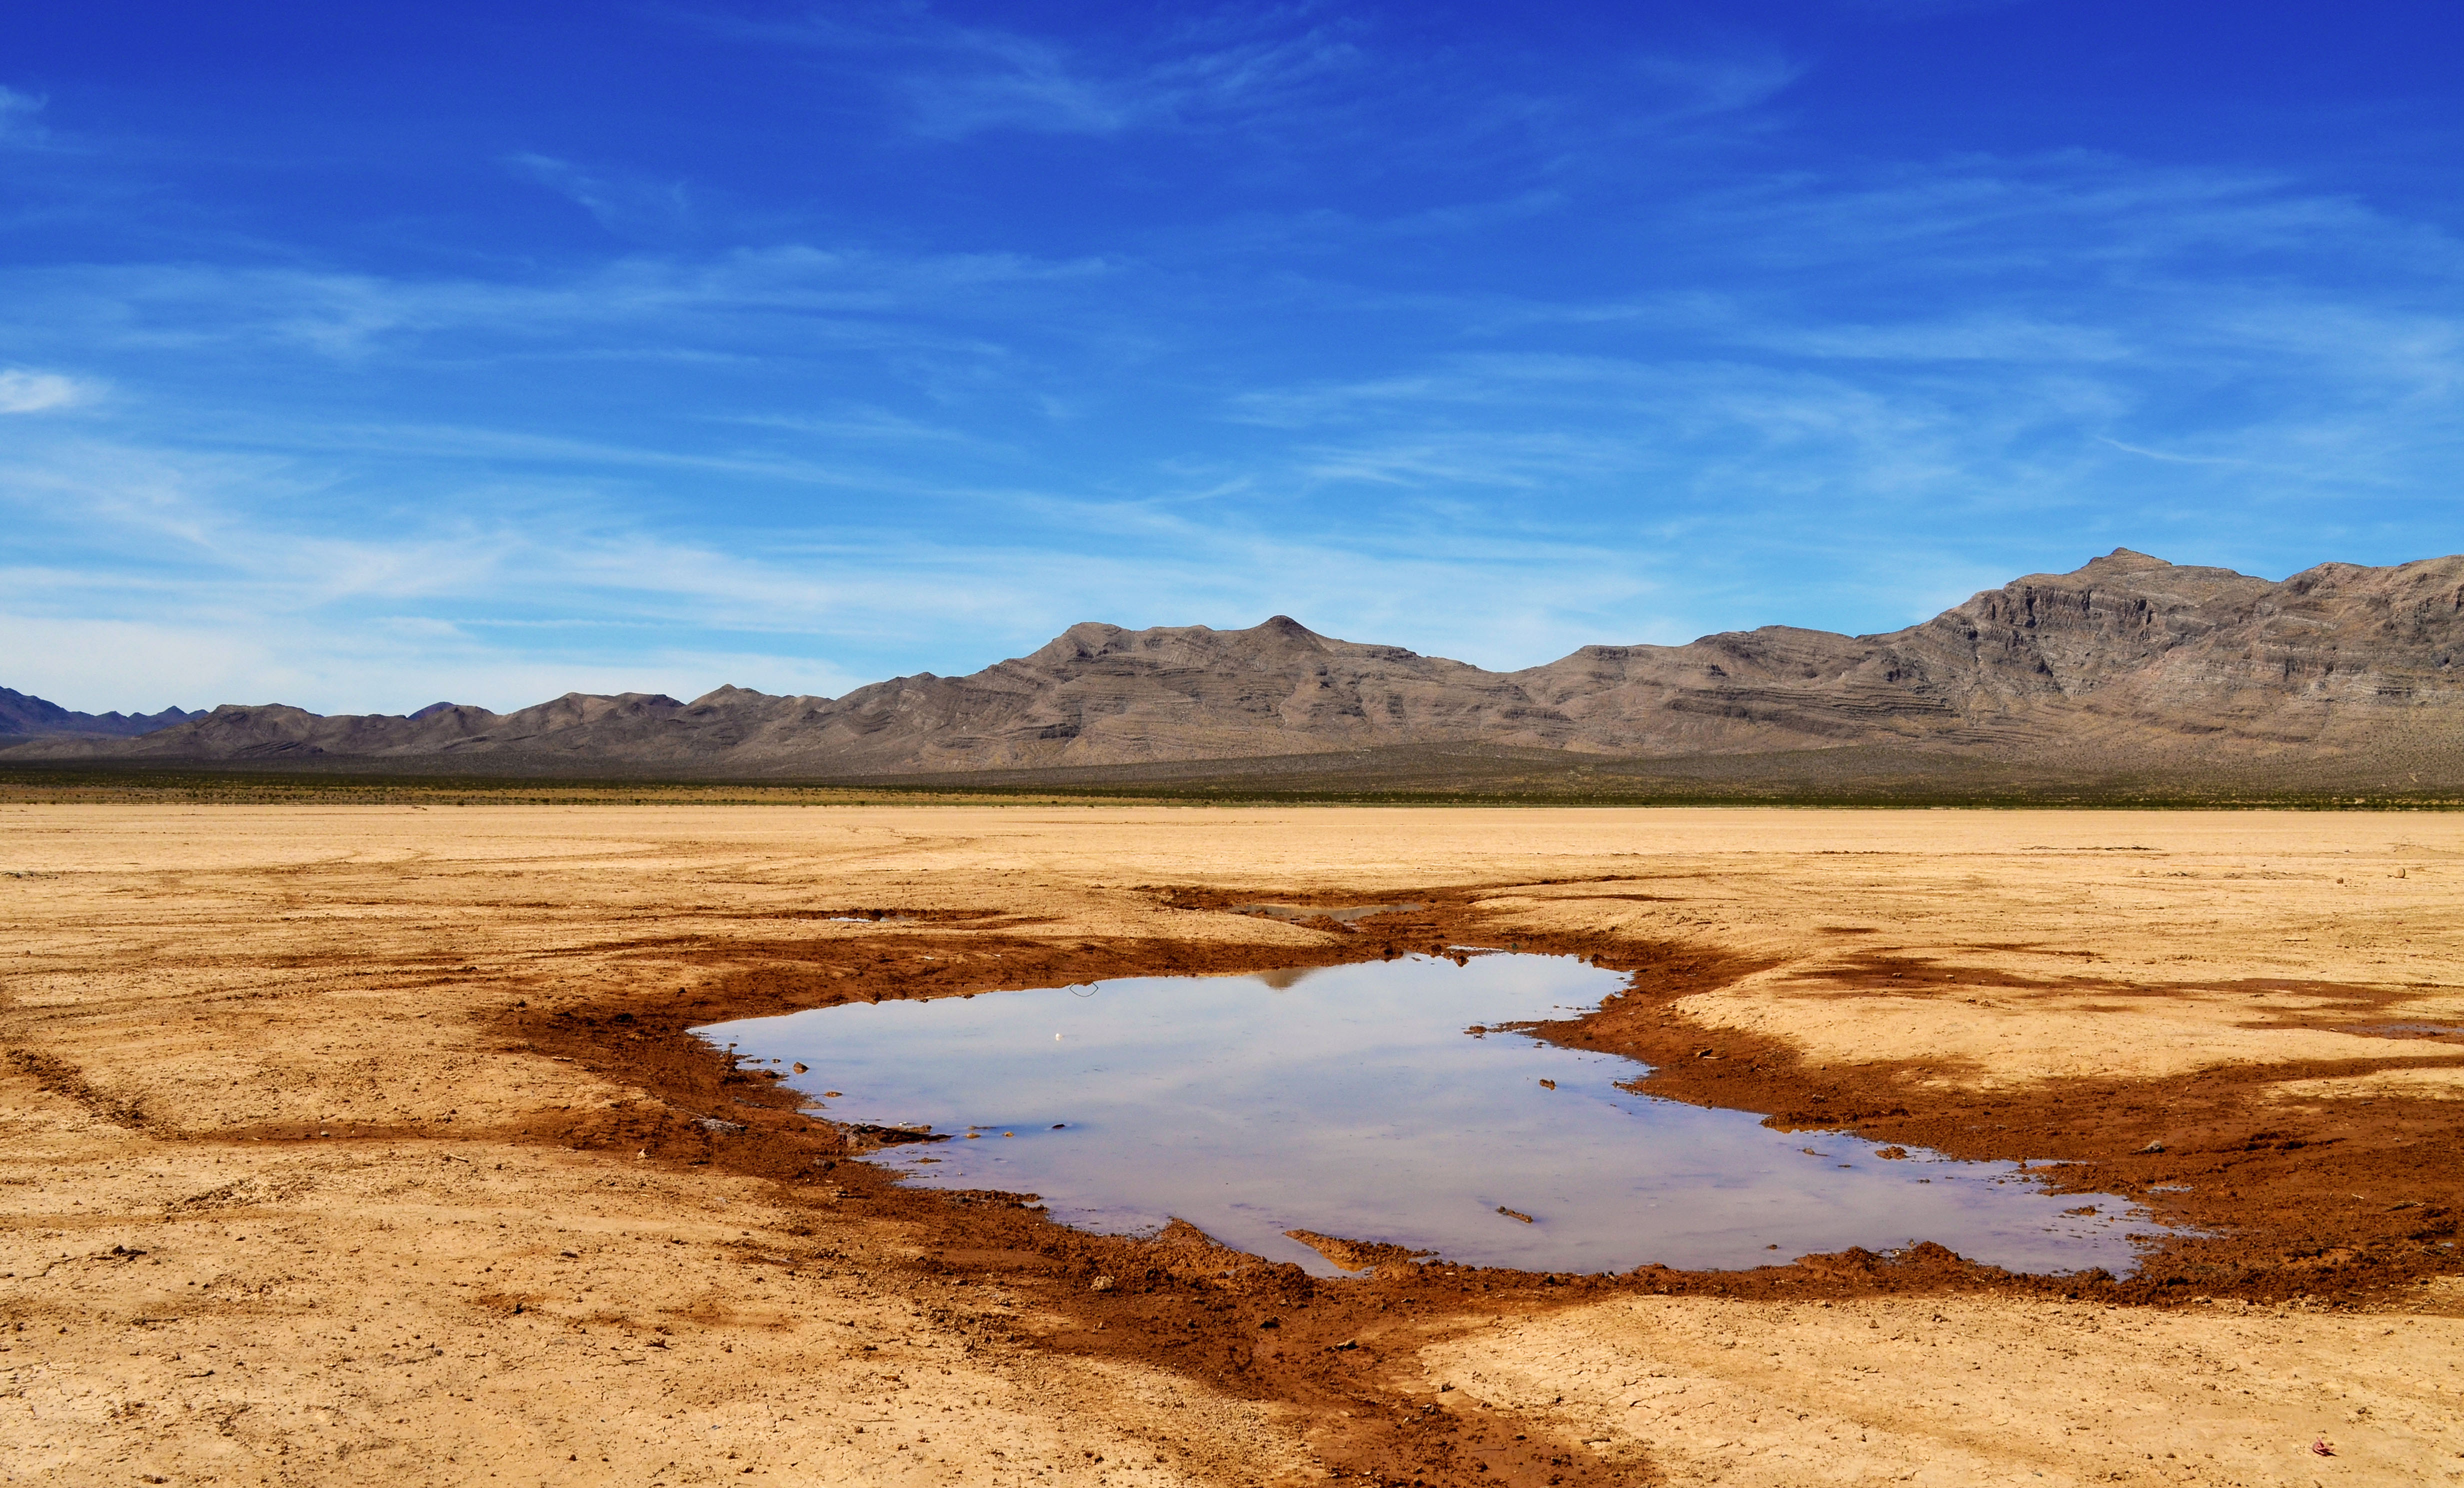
[2280, 1201]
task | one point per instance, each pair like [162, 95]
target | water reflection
[1350, 1101]
[1287, 978]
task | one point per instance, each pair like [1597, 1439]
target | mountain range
[2128, 662]
[22, 716]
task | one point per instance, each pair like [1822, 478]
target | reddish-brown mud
[2339, 1209]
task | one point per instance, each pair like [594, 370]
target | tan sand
[201, 1288]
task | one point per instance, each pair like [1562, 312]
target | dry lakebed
[1045, 1144]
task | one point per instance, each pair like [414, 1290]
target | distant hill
[23, 716]
[2128, 662]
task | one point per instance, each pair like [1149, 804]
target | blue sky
[359, 357]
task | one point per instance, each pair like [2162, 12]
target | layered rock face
[2129, 658]
[2126, 650]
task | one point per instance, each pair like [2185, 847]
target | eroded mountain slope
[2127, 658]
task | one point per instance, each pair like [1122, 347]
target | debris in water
[1514, 1214]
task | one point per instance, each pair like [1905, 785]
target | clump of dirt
[1358, 1254]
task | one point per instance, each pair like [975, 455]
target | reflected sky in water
[1350, 1101]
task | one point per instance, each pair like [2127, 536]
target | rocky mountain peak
[2128, 656]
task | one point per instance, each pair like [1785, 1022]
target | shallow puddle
[1355, 1101]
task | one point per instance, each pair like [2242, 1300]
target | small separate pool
[1356, 1102]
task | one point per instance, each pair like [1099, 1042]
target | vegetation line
[53, 784]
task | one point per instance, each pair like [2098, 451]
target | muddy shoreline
[2351, 1208]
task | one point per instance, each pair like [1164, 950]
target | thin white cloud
[21, 118]
[824, 299]
[2056, 309]
[1008, 81]
[101, 664]
[1692, 87]
[957, 80]
[2166, 456]
[1792, 381]
[551, 592]
[1985, 337]
[26, 391]
[624, 205]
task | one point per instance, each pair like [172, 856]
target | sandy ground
[294, 1184]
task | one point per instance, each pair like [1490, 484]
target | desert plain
[367, 1143]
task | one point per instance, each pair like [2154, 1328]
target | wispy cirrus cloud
[625, 204]
[21, 121]
[983, 80]
[2000, 323]
[721, 300]
[1558, 456]
[954, 81]
[510, 587]
[1701, 85]
[1488, 354]
[23, 390]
